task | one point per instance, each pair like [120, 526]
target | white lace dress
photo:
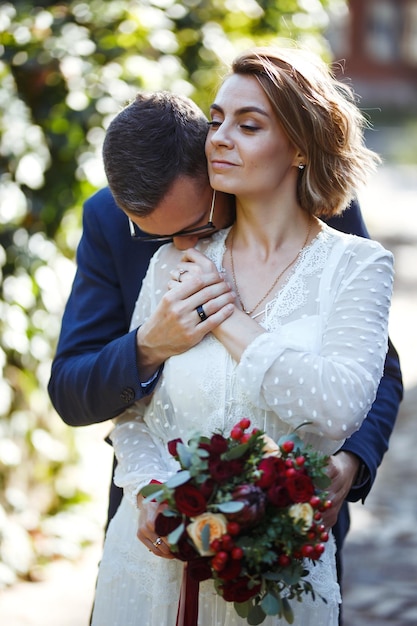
[320, 360]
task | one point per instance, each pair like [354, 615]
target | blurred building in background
[377, 43]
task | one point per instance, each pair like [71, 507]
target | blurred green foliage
[66, 68]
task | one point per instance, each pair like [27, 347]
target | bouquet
[246, 512]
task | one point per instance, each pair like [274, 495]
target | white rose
[217, 524]
[302, 512]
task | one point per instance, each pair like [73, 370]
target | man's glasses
[207, 229]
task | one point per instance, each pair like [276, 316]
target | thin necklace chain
[247, 311]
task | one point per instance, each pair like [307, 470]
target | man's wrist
[148, 363]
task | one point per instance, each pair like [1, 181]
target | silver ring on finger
[201, 313]
[180, 273]
[157, 542]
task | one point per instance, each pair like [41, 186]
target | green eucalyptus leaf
[242, 608]
[230, 507]
[205, 537]
[236, 452]
[271, 604]
[287, 611]
[180, 478]
[175, 535]
[256, 615]
[151, 490]
[184, 455]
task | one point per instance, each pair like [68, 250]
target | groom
[156, 168]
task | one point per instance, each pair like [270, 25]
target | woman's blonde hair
[319, 116]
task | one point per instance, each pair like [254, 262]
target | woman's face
[247, 151]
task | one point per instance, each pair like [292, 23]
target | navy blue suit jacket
[94, 374]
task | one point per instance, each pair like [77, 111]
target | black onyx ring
[201, 314]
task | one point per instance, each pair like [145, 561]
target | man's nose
[183, 243]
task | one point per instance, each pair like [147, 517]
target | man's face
[186, 206]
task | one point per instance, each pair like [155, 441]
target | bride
[306, 342]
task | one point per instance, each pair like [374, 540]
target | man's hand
[342, 470]
[175, 327]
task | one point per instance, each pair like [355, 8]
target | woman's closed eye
[215, 124]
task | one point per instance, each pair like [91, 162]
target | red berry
[236, 433]
[227, 543]
[284, 560]
[311, 535]
[300, 460]
[233, 528]
[321, 528]
[288, 446]
[324, 536]
[307, 551]
[222, 556]
[217, 565]
[289, 463]
[320, 548]
[237, 553]
[244, 423]
[328, 504]
[317, 516]
[289, 473]
[245, 438]
[315, 502]
[215, 545]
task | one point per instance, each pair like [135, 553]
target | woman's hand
[196, 265]
[146, 531]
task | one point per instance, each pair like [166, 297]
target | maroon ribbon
[188, 603]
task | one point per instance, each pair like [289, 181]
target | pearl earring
[301, 166]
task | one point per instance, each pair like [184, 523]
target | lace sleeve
[141, 456]
[331, 384]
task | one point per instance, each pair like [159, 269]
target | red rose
[231, 570]
[185, 551]
[206, 488]
[300, 487]
[165, 525]
[238, 591]
[189, 500]
[218, 445]
[272, 468]
[172, 447]
[254, 500]
[278, 495]
[223, 470]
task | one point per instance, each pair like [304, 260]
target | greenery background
[66, 68]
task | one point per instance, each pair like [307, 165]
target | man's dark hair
[149, 144]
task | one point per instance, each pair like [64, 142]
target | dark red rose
[200, 569]
[172, 447]
[300, 487]
[238, 591]
[185, 551]
[278, 495]
[254, 501]
[206, 488]
[189, 500]
[272, 468]
[231, 570]
[165, 525]
[218, 445]
[221, 471]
